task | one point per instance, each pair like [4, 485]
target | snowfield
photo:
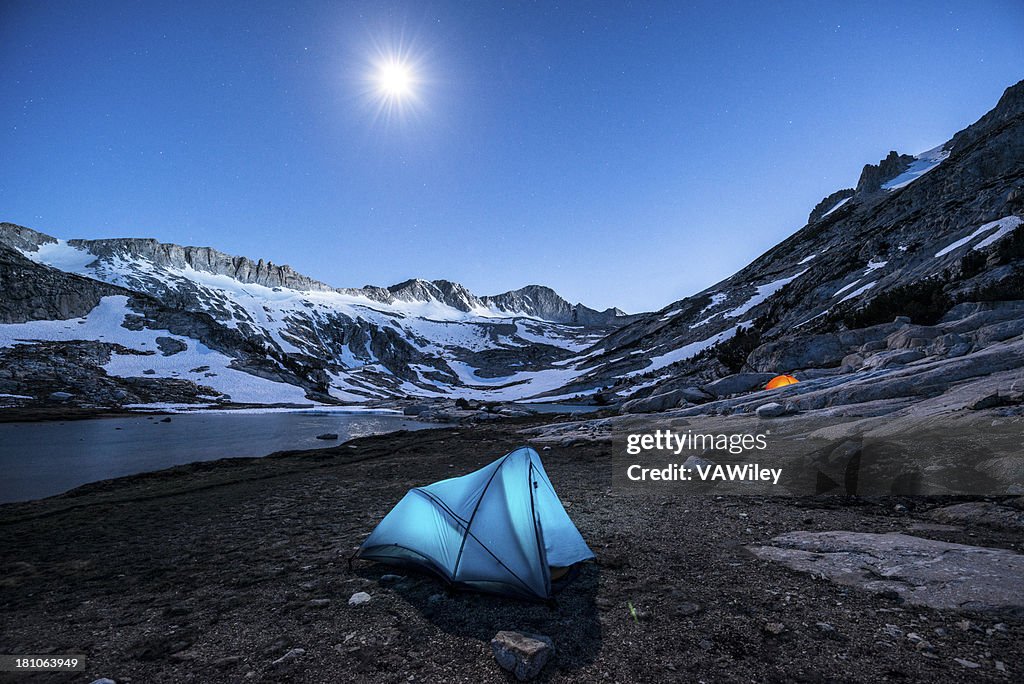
[103, 323]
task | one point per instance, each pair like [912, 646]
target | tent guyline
[495, 530]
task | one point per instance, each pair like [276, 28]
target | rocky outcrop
[738, 383]
[983, 512]
[874, 175]
[655, 403]
[37, 293]
[920, 571]
[826, 205]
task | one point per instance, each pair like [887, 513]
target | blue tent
[500, 529]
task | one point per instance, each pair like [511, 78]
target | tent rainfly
[781, 381]
[500, 530]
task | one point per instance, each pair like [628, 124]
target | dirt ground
[212, 572]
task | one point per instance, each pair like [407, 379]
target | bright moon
[395, 80]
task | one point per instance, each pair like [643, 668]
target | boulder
[655, 403]
[888, 359]
[949, 345]
[913, 337]
[851, 362]
[524, 655]
[738, 383]
[772, 409]
[60, 396]
[415, 409]
[695, 395]
[921, 571]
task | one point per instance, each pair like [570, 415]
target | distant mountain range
[120, 322]
[275, 334]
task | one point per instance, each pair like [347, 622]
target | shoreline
[217, 569]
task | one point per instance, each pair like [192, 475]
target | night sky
[625, 154]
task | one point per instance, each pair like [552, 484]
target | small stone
[104, 680]
[321, 603]
[775, 628]
[706, 644]
[924, 646]
[61, 396]
[359, 598]
[969, 664]
[226, 662]
[1001, 666]
[435, 598]
[391, 579]
[899, 508]
[524, 655]
[825, 628]
[288, 657]
[893, 631]
[166, 420]
[941, 631]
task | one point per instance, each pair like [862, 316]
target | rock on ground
[359, 598]
[772, 409]
[524, 655]
[922, 571]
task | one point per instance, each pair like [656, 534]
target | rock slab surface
[921, 571]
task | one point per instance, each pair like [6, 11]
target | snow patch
[682, 353]
[836, 206]
[62, 256]
[1005, 225]
[859, 291]
[922, 164]
[763, 292]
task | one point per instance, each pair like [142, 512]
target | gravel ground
[214, 572]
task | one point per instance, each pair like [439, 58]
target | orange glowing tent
[781, 381]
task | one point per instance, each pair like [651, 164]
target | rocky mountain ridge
[918, 238]
[532, 300]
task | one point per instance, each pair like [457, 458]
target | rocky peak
[829, 203]
[1006, 113]
[203, 259]
[444, 291]
[873, 175]
[23, 239]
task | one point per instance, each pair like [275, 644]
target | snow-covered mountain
[292, 336]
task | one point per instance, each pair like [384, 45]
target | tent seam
[469, 524]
